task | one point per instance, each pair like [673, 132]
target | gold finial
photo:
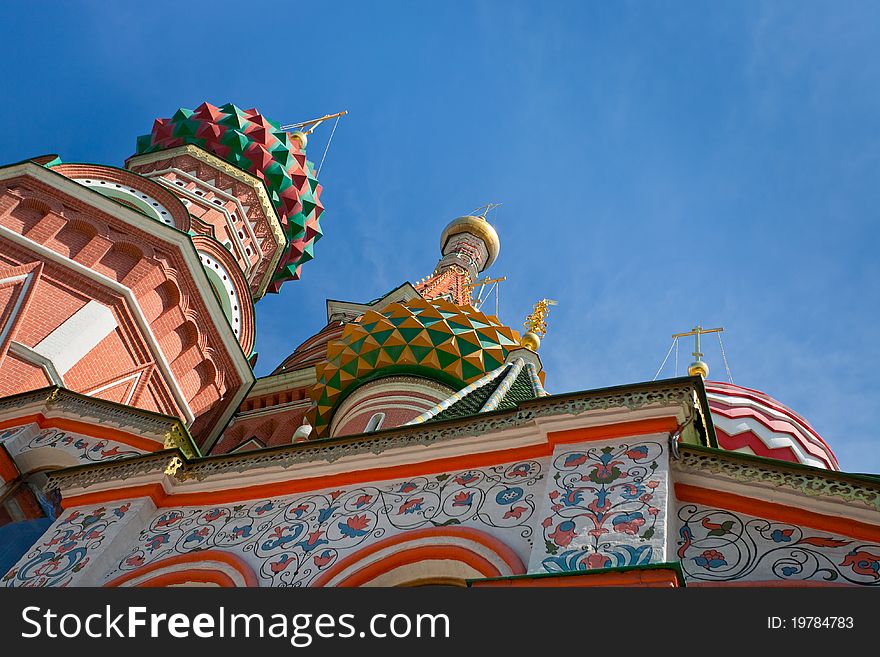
[536, 324]
[699, 366]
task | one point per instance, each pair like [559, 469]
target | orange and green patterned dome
[452, 344]
[260, 147]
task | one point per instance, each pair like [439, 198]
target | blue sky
[660, 164]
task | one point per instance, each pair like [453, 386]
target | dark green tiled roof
[520, 391]
[473, 402]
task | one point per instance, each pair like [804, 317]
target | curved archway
[201, 568]
[447, 555]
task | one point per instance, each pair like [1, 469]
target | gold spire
[536, 324]
[699, 366]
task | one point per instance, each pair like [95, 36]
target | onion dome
[454, 345]
[253, 143]
[750, 421]
[477, 226]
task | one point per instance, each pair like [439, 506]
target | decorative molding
[252, 181]
[427, 434]
[766, 472]
[157, 464]
[60, 401]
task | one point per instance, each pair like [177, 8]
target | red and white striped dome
[750, 421]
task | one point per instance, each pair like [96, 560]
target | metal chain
[664, 360]
[724, 358]
[327, 147]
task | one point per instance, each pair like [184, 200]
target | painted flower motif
[638, 452]
[605, 473]
[519, 470]
[466, 478]
[298, 511]
[710, 559]
[564, 533]
[599, 507]
[781, 535]
[407, 487]
[652, 484]
[411, 506]
[632, 491]
[575, 459]
[464, 498]
[312, 541]
[653, 510]
[788, 571]
[597, 560]
[323, 559]
[157, 541]
[196, 536]
[355, 526]
[325, 514]
[572, 497]
[547, 522]
[135, 560]
[628, 523]
[363, 501]
[280, 536]
[509, 495]
[863, 562]
[515, 512]
[213, 515]
[241, 532]
[168, 519]
[264, 508]
[281, 564]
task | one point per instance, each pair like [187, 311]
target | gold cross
[697, 331]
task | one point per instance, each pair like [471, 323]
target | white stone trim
[25, 288]
[29, 355]
[97, 183]
[234, 302]
[72, 341]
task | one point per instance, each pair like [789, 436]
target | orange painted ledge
[653, 578]
[779, 512]
[450, 464]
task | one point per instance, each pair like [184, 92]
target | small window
[375, 422]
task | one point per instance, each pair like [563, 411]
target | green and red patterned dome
[454, 345]
[257, 145]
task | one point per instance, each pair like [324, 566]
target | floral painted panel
[717, 545]
[605, 507]
[72, 542]
[289, 541]
[84, 448]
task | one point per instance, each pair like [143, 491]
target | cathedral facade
[411, 441]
